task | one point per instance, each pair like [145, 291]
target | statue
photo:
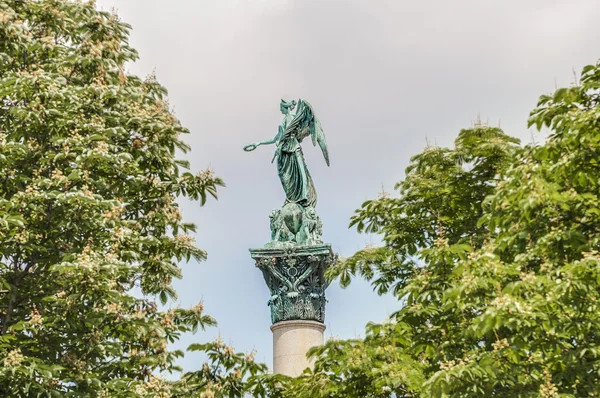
[293, 173]
[294, 261]
[296, 222]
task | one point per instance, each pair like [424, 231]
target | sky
[386, 78]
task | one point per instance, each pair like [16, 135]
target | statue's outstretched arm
[253, 146]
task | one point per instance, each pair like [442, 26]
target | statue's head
[311, 213]
[287, 106]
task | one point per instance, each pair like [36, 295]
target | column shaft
[291, 341]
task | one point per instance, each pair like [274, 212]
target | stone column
[291, 342]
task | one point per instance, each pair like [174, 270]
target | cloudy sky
[385, 78]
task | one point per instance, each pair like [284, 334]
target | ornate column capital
[295, 277]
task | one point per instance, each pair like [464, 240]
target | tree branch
[13, 297]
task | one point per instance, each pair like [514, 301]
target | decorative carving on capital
[296, 279]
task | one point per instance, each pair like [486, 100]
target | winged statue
[291, 167]
[294, 260]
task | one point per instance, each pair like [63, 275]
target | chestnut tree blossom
[88, 212]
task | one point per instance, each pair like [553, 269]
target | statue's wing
[306, 123]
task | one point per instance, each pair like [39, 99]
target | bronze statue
[291, 167]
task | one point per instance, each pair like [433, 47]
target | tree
[533, 296]
[88, 214]
[493, 251]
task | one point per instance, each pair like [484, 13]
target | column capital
[295, 276]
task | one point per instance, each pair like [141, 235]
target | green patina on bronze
[295, 277]
[293, 262]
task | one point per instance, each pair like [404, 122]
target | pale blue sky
[383, 76]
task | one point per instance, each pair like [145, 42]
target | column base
[291, 342]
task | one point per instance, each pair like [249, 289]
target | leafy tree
[534, 287]
[88, 214]
[493, 251]
[225, 374]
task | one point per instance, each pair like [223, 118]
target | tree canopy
[90, 230]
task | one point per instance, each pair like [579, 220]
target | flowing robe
[291, 167]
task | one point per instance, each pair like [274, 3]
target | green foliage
[224, 375]
[493, 251]
[88, 212]
[373, 367]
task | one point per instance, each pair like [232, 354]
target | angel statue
[293, 173]
[294, 223]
